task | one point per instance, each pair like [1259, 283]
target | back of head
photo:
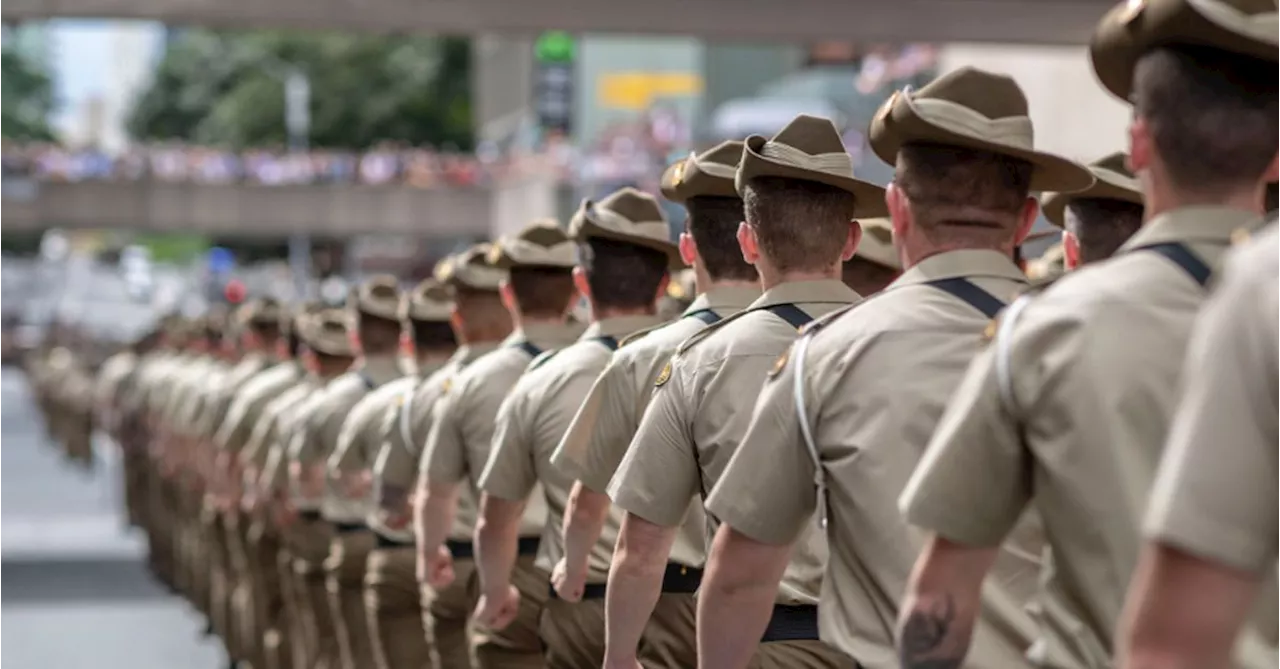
[540, 260]
[624, 249]
[430, 305]
[1101, 225]
[1211, 114]
[963, 193]
[477, 301]
[713, 222]
[379, 306]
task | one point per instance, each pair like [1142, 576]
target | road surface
[74, 592]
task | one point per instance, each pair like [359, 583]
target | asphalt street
[74, 592]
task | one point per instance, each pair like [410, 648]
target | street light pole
[297, 121]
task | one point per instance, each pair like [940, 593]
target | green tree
[28, 98]
[225, 89]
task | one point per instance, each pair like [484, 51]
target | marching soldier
[1096, 221]
[603, 428]
[875, 264]
[847, 412]
[539, 291]
[390, 583]
[1080, 382]
[375, 308]
[800, 201]
[624, 254]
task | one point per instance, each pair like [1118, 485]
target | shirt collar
[961, 263]
[806, 292]
[467, 353]
[382, 368]
[546, 335]
[619, 326]
[725, 298]
[1193, 224]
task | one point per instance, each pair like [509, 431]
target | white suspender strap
[1004, 351]
[406, 426]
[802, 415]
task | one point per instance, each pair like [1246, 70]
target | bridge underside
[1016, 21]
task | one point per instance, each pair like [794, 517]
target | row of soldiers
[869, 444]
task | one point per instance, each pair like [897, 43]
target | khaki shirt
[317, 435]
[359, 441]
[601, 432]
[213, 412]
[404, 431]
[700, 409]
[876, 379]
[465, 417]
[534, 418]
[246, 407]
[268, 445]
[1095, 365]
[110, 377]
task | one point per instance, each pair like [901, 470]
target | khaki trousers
[293, 628]
[260, 609]
[671, 637]
[394, 606]
[307, 542]
[344, 577]
[519, 645]
[447, 617]
[800, 655]
[574, 633]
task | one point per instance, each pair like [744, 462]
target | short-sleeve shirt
[1215, 494]
[247, 405]
[876, 378]
[1095, 364]
[218, 399]
[699, 413]
[358, 442]
[534, 418]
[603, 428]
[404, 430]
[268, 446]
[465, 417]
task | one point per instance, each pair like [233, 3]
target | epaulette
[709, 330]
[824, 321]
[541, 359]
[639, 334]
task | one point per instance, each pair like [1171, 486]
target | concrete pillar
[1073, 115]
[502, 81]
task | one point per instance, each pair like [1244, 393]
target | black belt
[792, 623]
[680, 579]
[310, 516]
[589, 591]
[388, 542]
[347, 528]
[467, 550]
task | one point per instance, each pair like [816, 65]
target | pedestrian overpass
[1008, 21]
[244, 210]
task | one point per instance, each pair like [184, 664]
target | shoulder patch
[702, 334]
[663, 376]
[989, 332]
[1240, 236]
[446, 385]
[781, 363]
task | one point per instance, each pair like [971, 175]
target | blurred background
[222, 150]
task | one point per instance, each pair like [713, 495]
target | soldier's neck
[770, 278]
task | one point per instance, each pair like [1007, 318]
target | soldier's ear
[748, 243]
[688, 249]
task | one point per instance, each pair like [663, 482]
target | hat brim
[901, 126]
[385, 312]
[331, 348]
[1054, 205]
[869, 198]
[590, 228]
[1129, 30]
[877, 245]
[683, 180]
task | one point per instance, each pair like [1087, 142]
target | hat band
[840, 164]
[479, 277]
[1013, 131]
[615, 222]
[1116, 179]
[716, 170]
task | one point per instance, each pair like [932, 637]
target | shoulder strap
[1180, 255]
[368, 381]
[406, 419]
[806, 432]
[705, 315]
[608, 342]
[969, 293]
[528, 347]
[1004, 350]
[793, 315]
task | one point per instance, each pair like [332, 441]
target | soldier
[603, 428]
[1211, 522]
[800, 201]
[625, 253]
[875, 264]
[391, 587]
[1080, 382]
[431, 630]
[539, 293]
[872, 379]
[376, 310]
[1095, 222]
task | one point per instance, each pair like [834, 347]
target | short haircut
[1101, 225]
[622, 275]
[330, 360]
[954, 190]
[432, 335]
[267, 331]
[1212, 115]
[801, 225]
[866, 277]
[713, 223]
[378, 334]
[542, 291]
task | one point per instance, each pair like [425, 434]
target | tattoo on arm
[924, 638]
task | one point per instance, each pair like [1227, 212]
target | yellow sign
[637, 90]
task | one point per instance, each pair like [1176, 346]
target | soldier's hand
[437, 569]
[569, 586]
[497, 610]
